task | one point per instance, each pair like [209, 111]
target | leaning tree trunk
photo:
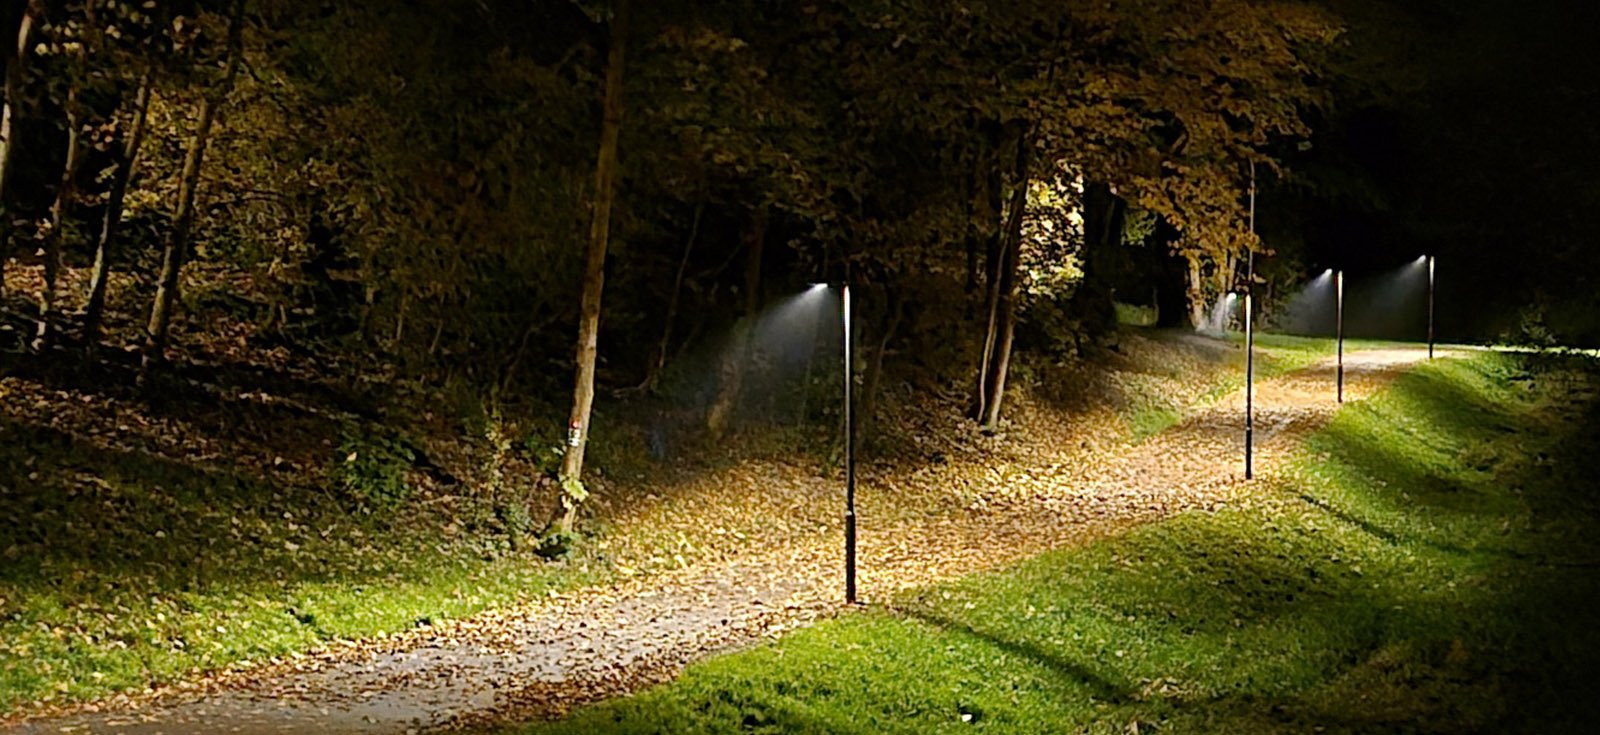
[737, 356]
[1000, 364]
[16, 57]
[988, 204]
[177, 247]
[58, 222]
[126, 158]
[653, 376]
[594, 273]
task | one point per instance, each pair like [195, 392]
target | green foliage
[1380, 586]
[1135, 315]
[573, 493]
[544, 448]
[557, 544]
[369, 469]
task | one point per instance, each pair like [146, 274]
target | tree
[1003, 294]
[177, 246]
[128, 138]
[16, 60]
[572, 492]
[736, 356]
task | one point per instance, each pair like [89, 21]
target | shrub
[370, 469]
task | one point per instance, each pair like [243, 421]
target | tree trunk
[15, 58]
[1197, 295]
[989, 208]
[969, 189]
[660, 364]
[594, 273]
[126, 159]
[1006, 312]
[736, 357]
[1171, 276]
[1093, 301]
[177, 247]
[874, 377]
[58, 210]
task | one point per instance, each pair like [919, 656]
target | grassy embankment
[127, 567]
[1153, 411]
[1428, 567]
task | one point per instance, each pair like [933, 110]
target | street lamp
[1250, 340]
[1338, 325]
[849, 446]
[849, 456]
[1430, 307]
[1249, 387]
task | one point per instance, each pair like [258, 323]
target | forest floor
[1092, 476]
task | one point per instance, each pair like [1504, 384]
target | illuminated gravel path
[542, 660]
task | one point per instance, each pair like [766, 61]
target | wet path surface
[542, 660]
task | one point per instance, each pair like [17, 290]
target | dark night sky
[1482, 149]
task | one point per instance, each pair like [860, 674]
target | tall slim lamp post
[1338, 328]
[1249, 392]
[1250, 341]
[1430, 307]
[849, 456]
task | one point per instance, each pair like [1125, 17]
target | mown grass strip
[1427, 569]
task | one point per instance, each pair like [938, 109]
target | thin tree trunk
[16, 58]
[991, 203]
[969, 190]
[874, 376]
[1197, 296]
[736, 358]
[58, 210]
[1094, 300]
[177, 247]
[660, 364]
[572, 492]
[127, 158]
[1007, 309]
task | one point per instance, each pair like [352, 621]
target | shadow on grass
[86, 516]
[1098, 686]
[1287, 616]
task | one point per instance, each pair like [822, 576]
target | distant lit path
[594, 643]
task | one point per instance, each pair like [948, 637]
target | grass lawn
[1276, 354]
[1429, 569]
[131, 569]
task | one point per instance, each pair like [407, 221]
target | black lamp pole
[1338, 282]
[1249, 392]
[1250, 341]
[849, 458]
[1430, 307]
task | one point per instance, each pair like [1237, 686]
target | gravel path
[543, 660]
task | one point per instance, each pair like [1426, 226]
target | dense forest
[516, 209]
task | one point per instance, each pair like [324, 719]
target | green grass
[121, 569]
[1428, 570]
[1276, 354]
[1135, 315]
